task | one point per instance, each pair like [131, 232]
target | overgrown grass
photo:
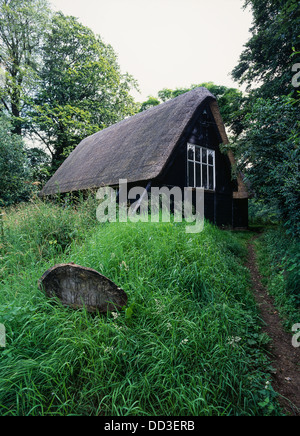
[188, 343]
[279, 261]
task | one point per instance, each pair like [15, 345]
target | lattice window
[201, 172]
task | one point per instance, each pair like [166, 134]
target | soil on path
[285, 357]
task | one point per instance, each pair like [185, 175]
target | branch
[43, 140]
[5, 105]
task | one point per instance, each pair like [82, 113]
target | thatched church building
[173, 144]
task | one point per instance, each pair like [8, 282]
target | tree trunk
[17, 126]
[16, 98]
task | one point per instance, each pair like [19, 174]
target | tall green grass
[188, 342]
[279, 262]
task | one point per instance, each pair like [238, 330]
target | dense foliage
[266, 62]
[269, 155]
[23, 169]
[268, 149]
[13, 166]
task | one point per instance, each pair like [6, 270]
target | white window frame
[201, 163]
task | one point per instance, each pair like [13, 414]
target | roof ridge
[160, 106]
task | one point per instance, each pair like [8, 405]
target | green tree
[230, 100]
[15, 174]
[22, 25]
[266, 62]
[268, 149]
[150, 102]
[81, 88]
[269, 156]
[39, 164]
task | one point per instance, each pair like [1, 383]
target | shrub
[15, 176]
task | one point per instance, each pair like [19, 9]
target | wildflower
[115, 315]
[108, 350]
[123, 265]
[184, 341]
[233, 340]
[159, 305]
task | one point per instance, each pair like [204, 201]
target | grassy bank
[188, 343]
[279, 261]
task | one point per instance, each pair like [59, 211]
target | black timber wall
[219, 206]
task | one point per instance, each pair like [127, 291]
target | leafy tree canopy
[266, 62]
[269, 156]
[22, 26]
[81, 88]
[268, 148]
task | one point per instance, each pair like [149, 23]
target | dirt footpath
[285, 358]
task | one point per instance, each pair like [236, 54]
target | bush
[262, 214]
[15, 176]
[268, 154]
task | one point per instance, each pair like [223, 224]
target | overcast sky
[168, 43]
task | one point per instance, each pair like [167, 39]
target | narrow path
[285, 358]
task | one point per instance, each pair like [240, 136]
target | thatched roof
[136, 149]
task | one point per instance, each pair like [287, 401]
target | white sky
[168, 43]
